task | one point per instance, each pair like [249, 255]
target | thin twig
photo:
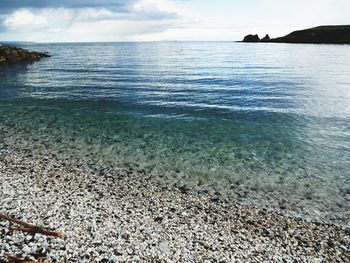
[30, 228]
[13, 259]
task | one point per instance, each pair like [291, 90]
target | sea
[267, 123]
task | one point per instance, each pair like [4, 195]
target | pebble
[116, 215]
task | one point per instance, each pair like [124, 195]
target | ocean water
[269, 123]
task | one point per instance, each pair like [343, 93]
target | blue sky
[156, 20]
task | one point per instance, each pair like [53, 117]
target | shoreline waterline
[47, 141]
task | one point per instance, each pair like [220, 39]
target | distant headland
[316, 35]
[9, 54]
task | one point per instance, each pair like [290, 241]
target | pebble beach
[122, 215]
[175, 152]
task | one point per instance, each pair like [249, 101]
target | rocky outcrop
[251, 38]
[316, 35]
[266, 39]
[10, 54]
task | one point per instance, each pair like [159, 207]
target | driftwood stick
[30, 228]
[12, 229]
[14, 220]
[13, 259]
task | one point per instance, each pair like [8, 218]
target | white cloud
[24, 20]
[157, 9]
[92, 24]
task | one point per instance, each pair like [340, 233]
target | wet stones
[10, 54]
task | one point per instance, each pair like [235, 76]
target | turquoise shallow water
[270, 122]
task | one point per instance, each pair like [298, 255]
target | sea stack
[266, 38]
[251, 38]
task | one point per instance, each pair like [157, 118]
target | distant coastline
[316, 35]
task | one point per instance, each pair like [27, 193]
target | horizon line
[124, 41]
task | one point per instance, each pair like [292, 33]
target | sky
[162, 20]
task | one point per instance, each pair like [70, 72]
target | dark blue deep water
[269, 122]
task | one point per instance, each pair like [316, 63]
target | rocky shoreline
[123, 215]
[9, 54]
